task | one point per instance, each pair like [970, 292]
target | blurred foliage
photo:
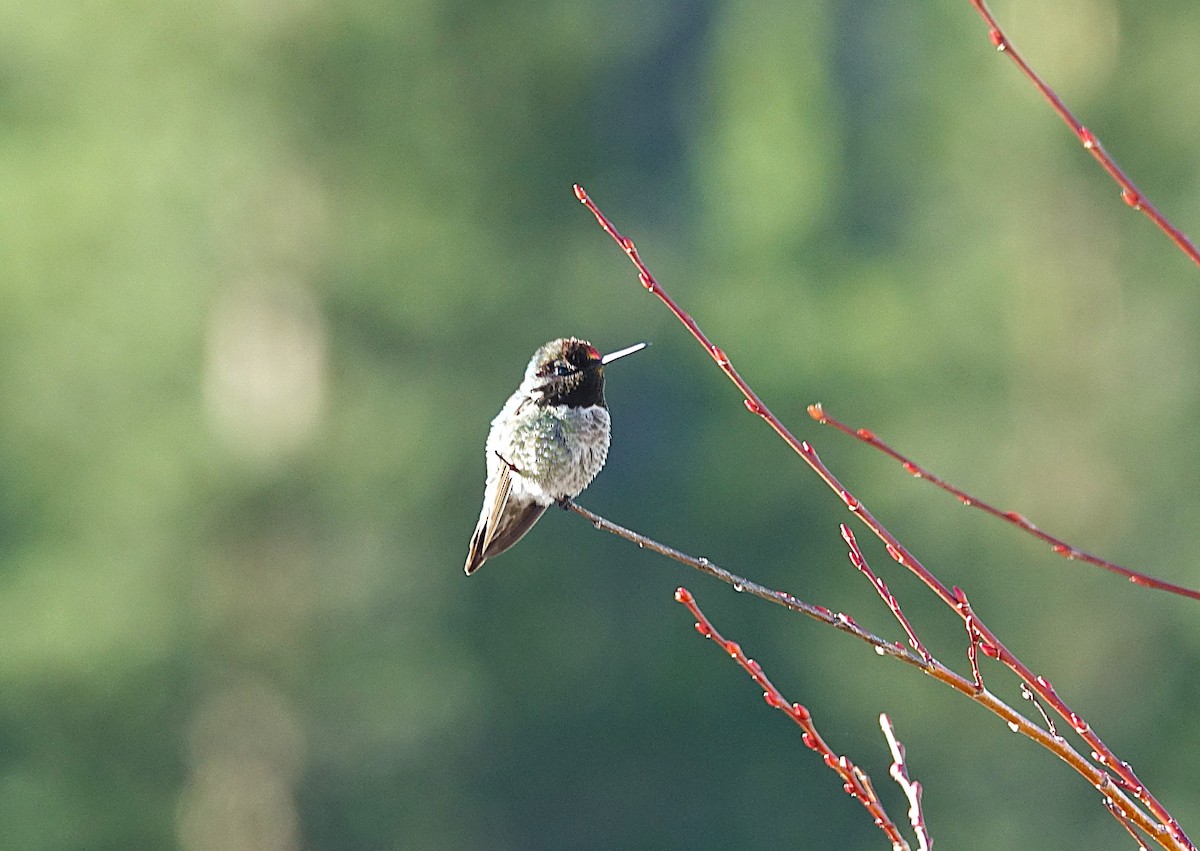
[269, 269]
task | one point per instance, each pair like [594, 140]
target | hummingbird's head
[570, 371]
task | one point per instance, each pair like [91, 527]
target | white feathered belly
[556, 452]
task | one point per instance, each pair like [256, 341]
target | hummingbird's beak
[636, 347]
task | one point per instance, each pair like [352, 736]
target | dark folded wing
[506, 524]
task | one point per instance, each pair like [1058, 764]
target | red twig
[1129, 192]
[975, 642]
[889, 599]
[855, 781]
[912, 789]
[1059, 546]
[1018, 723]
[1124, 822]
[1167, 831]
[1027, 693]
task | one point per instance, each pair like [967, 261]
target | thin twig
[817, 412]
[912, 789]
[855, 781]
[1130, 194]
[742, 585]
[889, 599]
[1027, 693]
[1124, 822]
[975, 641]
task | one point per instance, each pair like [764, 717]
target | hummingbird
[546, 445]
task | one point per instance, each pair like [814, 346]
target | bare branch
[1160, 825]
[1061, 547]
[1098, 778]
[855, 781]
[1130, 194]
[912, 789]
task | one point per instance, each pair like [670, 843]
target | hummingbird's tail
[501, 524]
[475, 555]
[492, 538]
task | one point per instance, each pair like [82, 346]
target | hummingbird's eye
[563, 369]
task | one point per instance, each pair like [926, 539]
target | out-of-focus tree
[268, 270]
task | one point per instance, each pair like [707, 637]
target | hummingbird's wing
[505, 524]
[503, 489]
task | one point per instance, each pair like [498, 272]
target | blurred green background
[269, 268]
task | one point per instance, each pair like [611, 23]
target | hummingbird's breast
[556, 449]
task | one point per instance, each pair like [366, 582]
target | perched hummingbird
[546, 445]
